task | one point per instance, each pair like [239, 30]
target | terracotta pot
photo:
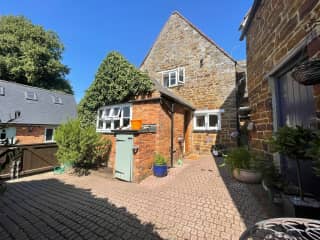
[247, 176]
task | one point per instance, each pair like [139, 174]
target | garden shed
[166, 129]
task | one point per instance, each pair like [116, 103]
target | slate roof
[46, 110]
[169, 94]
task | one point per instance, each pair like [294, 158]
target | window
[173, 77]
[1, 91]
[114, 117]
[31, 96]
[49, 135]
[56, 100]
[206, 120]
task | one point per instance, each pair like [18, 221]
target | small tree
[294, 142]
[81, 146]
[31, 55]
[116, 81]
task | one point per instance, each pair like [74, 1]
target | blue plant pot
[160, 171]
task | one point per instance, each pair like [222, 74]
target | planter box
[247, 176]
[295, 207]
[160, 171]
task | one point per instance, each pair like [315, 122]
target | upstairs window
[56, 100]
[1, 91]
[29, 95]
[207, 120]
[173, 77]
[114, 117]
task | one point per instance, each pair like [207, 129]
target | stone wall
[210, 74]
[278, 26]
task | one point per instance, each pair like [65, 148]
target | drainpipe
[170, 107]
[172, 128]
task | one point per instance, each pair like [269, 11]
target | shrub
[80, 146]
[159, 160]
[238, 158]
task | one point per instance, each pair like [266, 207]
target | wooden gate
[34, 158]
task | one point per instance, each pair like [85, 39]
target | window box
[207, 120]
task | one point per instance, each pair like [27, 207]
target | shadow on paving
[51, 209]
[250, 199]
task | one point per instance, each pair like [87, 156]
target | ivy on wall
[116, 81]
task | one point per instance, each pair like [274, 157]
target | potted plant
[160, 168]
[243, 165]
[295, 143]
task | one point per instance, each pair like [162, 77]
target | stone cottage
[281, 35]
[192, 107]
[29, 115]
[187, 62]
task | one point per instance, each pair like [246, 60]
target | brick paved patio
[199, 201]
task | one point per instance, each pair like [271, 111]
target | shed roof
[49, 108]
[169, 94]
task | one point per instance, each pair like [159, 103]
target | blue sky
[91, 29]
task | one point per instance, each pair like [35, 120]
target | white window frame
[177, 72]
[207, 113]
[56, 99]
[2, 91]
[45, 135]
[112, 118]
[32, 98]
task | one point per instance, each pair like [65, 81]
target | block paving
[201, 201]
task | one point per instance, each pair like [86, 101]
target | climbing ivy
[116, 81]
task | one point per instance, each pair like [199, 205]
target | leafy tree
[116, 81]
[81, 146]
[31, 55]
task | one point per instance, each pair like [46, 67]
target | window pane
[100, 124]
[173, 78]
[126, 112]
[100, 113]
[3, 134]
[107, 112]
[116, 124]
[49, 134]
[213, 121]
[115, 112]
[166, 79]
[108, 124]
[181, 75]
[126, 122]
[200, 121]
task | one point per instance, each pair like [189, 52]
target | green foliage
[238, 158]
[81, 146]
[31, 55]
[314, 153]
[116, 81]
[159, 160]
[293, 141]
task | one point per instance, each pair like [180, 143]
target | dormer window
[31, 96]
[1, 91]
[173, 77]
[56, 100]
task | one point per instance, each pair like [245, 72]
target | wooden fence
[31, 158]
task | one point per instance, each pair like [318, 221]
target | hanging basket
[307, 73]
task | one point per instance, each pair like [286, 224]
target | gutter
[253, 11]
